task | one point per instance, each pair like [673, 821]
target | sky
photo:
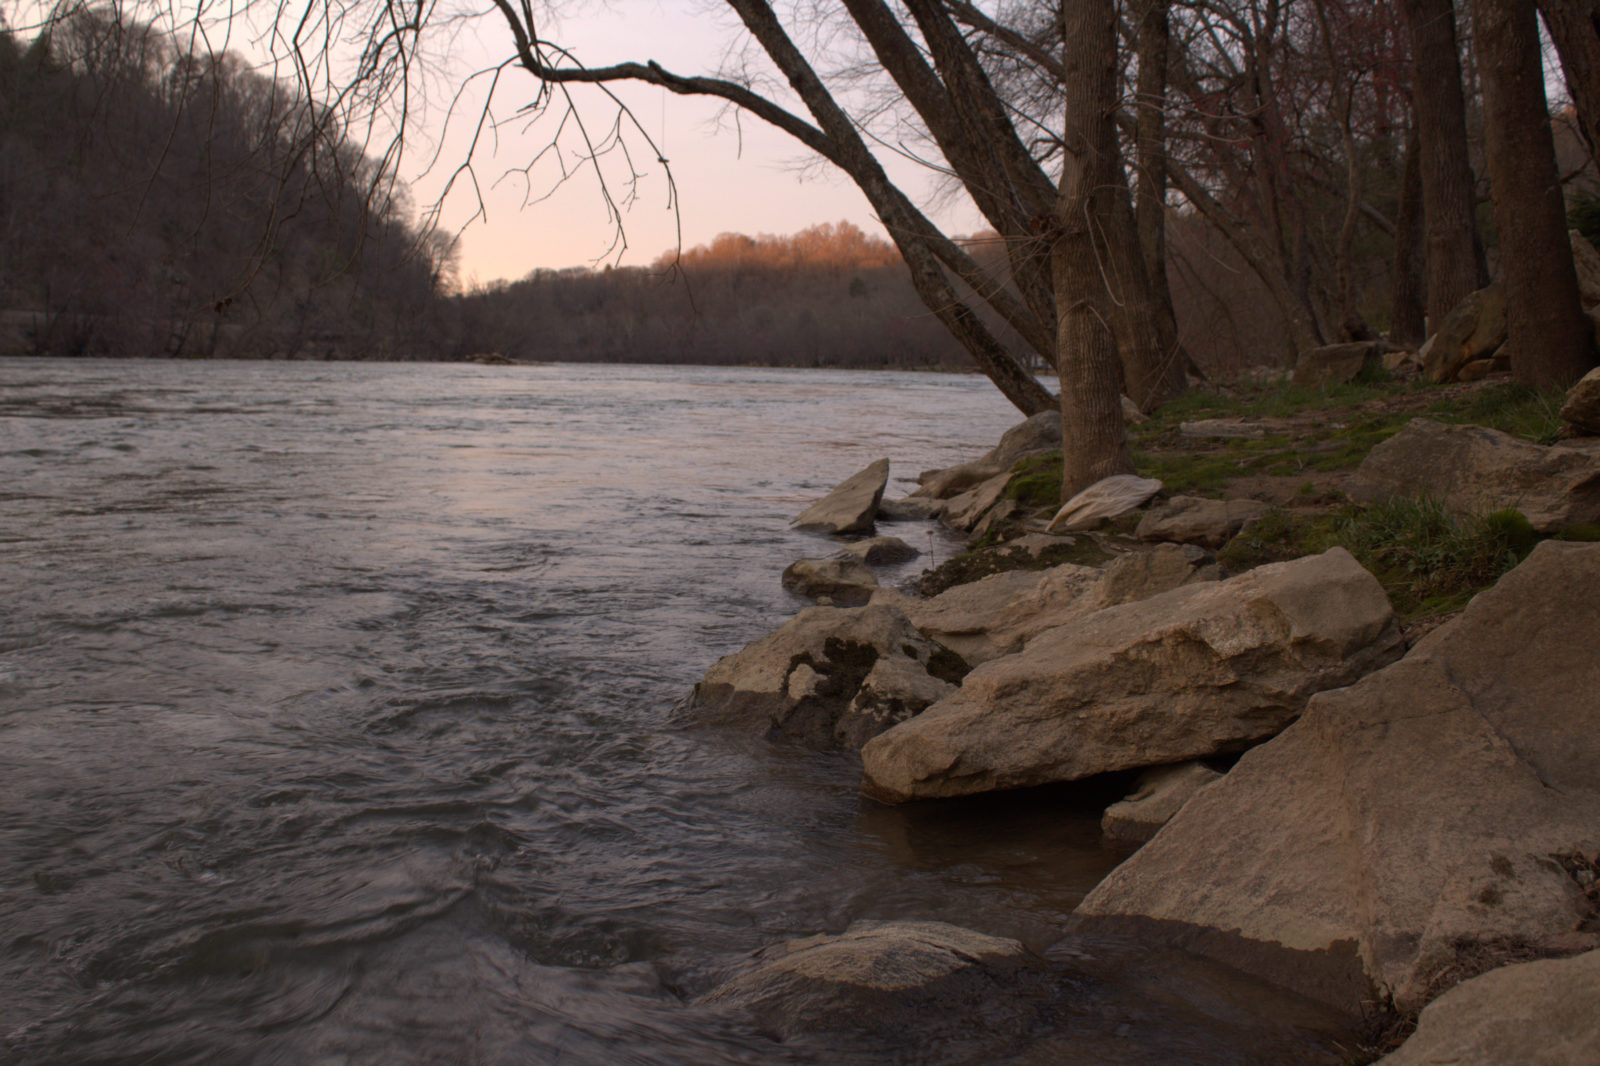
[730, 176]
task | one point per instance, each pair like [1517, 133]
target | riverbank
[1257, 640]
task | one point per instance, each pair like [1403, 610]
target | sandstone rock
[1544, 1013]
[1131, 413]
[876, 976]
[1473, 471]
[964, 511]
[1159, 795]
[1106, 499]
[1473, 330]
[1035, 436]
[803, 679]
[893, 691]
[992, 518]
[1196, 520]
[1402, 362]
[846, 582]
[909, 509]
[1141, 574]
[995, 615]
[1476, 370]
[1223, 429]
[1336, 364]
[1421, 818]
[1587, 262]
[1582, 407]
[953, 480]
[1204, 669]
[850, 507]
[881, 551]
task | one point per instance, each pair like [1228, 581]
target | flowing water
[337, 717]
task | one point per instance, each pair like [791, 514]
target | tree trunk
[1551, 339]
[1575, 29]
[1094, 438]
[1406, 324]
[1453, 255]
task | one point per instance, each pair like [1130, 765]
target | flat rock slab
[1544, 1013]
[1159, 795]
[851, 507]
[1197, 520]
[1409, 825]
[1222, 429]
[1108, 498]
[1336, 364]
[1204, 669]
[1473, 471]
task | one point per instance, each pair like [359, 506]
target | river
[337, 714]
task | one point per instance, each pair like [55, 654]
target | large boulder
[1473, 470]
[805, 680]
[1581, 409]
[1337, 364]
[1197, 520]
[1543, 1013]
[876, 977]
[1472, 331]
[851, 506]
[841, 582]
[1437, 813]
[1138, 575]
[1207, 668]
[985, 619]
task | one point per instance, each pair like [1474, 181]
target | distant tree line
[156, 201]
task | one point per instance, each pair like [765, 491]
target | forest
[158, 200]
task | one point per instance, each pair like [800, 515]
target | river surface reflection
[336, 713]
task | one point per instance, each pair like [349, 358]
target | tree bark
[1094, 438]
[1406, 314]
[1575, 29]
[1453, 254]
[1551, 339]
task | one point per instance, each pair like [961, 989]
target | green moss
[982, 562]
[1585, 532]
[1036, 481]
[1529, 413]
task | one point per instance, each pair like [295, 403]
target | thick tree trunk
[1094, 439]
[1453, 255]
[1551, 339]
[1575, 29]
[1406, 324]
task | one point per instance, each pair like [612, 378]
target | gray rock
[1423, 818]
[850, 507]
[1131, 413]
[874, 977]
[802, 680]
[1160, 793]
[1473, 471]
[881, 551]
[964, 511]
[1336, 364]
[1036, 436]
[1544, 1013]
[845, 582]
[1196, 520]
[1472, 331]
[1108, 498]
[909, 509]
[1204, 669]
[1138, 575]
[1581, 410]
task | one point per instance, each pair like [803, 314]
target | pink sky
[750, 180]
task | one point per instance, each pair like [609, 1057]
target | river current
[337, 713]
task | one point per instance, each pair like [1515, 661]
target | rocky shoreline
[1379, 829]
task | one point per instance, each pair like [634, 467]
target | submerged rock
[881, 551]
[843, 582]
[1473, 470]
[805, 679]
[1432, 814]
[1204, 669]
[851, 506]
[881, 977]
[1544, 1013]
